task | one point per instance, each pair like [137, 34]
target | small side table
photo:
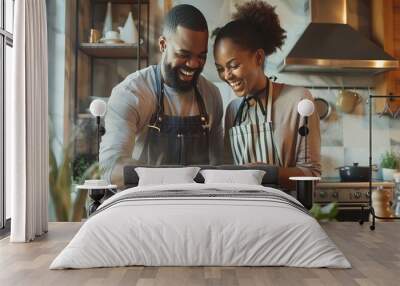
[96, 193]
[305, 187]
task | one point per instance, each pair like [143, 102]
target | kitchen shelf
[94, 69]
[99, 50]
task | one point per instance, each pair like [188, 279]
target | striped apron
[251, 137]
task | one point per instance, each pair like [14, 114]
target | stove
[351, 197]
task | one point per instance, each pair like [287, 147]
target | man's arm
[121, 124]
[117, 174]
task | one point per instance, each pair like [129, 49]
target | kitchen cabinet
[102, 66]
[386, 32]
[93, 69]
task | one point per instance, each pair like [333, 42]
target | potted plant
[389, 165]
[65, 174]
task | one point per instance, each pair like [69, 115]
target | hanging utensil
[323, 108]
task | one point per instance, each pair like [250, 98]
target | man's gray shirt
[131, 106]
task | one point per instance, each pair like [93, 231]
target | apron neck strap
[160, 96]
[159, 90]
[245, 102]
[201, 106]
[269, 100]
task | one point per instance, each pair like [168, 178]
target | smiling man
[167, 114]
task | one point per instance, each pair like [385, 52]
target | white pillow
[165, 176]
[248, 177]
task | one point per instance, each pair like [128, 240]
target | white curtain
[27, 144]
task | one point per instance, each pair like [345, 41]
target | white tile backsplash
[331, 158]
[356, 131]
[332, 126]
[394, 133]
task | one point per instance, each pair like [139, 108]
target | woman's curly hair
[255, 25]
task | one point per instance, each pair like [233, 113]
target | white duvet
[183, 231]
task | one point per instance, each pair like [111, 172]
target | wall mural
[185, 126]
[187, 129]
[172, 114]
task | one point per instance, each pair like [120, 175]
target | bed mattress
[201, 225]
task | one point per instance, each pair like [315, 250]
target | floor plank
[374, 255]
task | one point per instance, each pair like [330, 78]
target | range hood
[329, 44]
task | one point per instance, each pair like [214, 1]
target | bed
[201, 224]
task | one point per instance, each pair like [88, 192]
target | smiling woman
[261, 126]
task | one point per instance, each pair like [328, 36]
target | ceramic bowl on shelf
[111, 37]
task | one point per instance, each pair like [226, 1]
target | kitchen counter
[351, 197]
[328, 183]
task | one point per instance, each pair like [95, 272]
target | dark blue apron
[177, 140]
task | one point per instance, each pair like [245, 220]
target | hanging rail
[371, 209]
[339, 87]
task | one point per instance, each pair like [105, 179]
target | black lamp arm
[303, 131]
[100, 132]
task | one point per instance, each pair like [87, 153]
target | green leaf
[327, 212]
[390, 160]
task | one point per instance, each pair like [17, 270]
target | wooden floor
[374, 255]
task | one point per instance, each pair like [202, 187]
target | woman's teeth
[235, 84]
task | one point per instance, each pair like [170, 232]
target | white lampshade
[98, 107]
[305, 107]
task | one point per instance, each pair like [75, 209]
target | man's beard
[173, 80]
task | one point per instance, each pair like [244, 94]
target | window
[6, 45]
[9, 15]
